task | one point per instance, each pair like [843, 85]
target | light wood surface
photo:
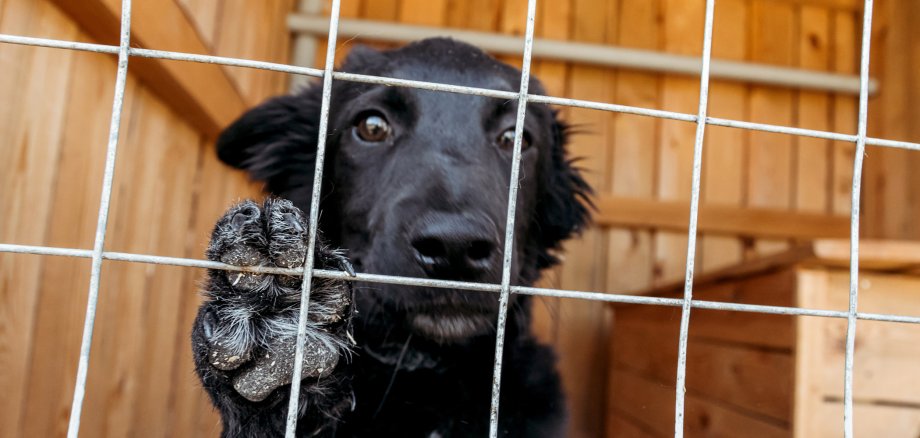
[170, 188]
[716, 219]
[201, 93]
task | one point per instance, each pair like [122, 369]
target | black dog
[416, 184]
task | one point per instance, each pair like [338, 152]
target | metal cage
[504, 289]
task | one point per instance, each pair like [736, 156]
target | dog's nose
[455, 247]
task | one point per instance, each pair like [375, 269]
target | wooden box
[762, 375]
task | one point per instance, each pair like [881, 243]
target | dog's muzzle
[454, 246]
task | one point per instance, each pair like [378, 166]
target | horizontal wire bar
[449, 284]
[58, 44]
[893, 144]
[499, 94]
[223, 60]
[780, 129]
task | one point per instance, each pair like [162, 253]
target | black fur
[428, 200]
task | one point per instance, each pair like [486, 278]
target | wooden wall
[891, 200]
[169, 188]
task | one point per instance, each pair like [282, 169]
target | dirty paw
[275, 367]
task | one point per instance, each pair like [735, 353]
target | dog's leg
[244, 337]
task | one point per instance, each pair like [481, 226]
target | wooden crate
[761, 375]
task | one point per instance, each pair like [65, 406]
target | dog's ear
[276, 142]
[362, 58]
[564, 204]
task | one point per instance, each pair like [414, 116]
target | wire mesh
[687, 303]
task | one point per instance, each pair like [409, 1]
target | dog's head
[416, 182]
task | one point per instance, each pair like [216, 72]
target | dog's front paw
[250, 329]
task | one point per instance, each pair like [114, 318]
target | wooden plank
[886, 354]
[633, 161]
[812, 290]
[832, 4]
[582, 325]
[652, 403]
[202, 93]
[164, 286]
[647, 402]
[249, 30]
[352, 9]
[683, 34]
[884, 256]
[62, 292]
[34, 87]
[204, 15]
[723, 160]
[475, 14]
[645, 213]
[719, 326]
[765, 330]
[621, 426]
[889, 207]
[751, 379]
[514, 22]
[869, 420]
[845, 112]
[112, 383]
[812, 175]
[386, 10]
[770, 155]
[426, 12]
[552, 21]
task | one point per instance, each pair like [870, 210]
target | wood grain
[770, 182]
[55, 117]
[844, 112]
[31, 122]
[723, 179]
[683, 34]
[202, 93]
[633, 156]
[643, 213]
[582, 334]
[652, 403]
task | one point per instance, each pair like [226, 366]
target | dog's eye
[372, 127]
[506, 140]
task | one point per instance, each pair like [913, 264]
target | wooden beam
[615, 211]
[202, 94]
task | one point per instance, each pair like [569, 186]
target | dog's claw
[347, 267]
[293, 222]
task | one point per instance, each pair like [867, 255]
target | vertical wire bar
[79, 391]
[854, 220]
[692, 227]
[314, 217]
[509, 221]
